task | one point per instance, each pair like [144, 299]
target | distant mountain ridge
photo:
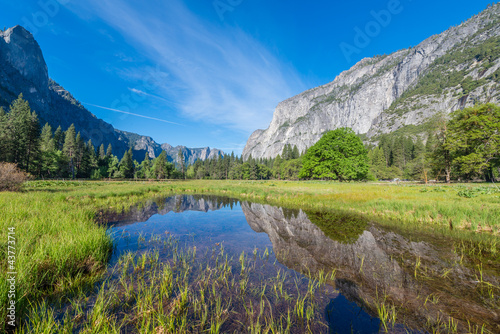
[23, 70]
[404, 90]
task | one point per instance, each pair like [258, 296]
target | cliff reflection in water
[427, 282]
[373, 266]
[178, 203]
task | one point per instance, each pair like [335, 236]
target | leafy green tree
[113, 170]
[441, 158]
[190, 174]
[245, 172]
[264, 172]
[338, 155]
[473, 139]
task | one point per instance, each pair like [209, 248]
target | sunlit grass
[60, 248]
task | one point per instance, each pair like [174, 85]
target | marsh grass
[61, 250]
[189, 293]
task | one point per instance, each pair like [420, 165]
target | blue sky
[208, 73]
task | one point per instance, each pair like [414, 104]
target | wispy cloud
[219, 75]
[130, 113]
[140, 92]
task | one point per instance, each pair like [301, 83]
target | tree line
[463, 148]
[45, 153]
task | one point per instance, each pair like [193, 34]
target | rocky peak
[20, 50]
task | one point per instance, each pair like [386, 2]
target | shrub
[467, 193]
[11, 177]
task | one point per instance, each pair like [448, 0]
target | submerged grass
[60, 249]
[185, 295]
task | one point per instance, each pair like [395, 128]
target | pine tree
[379, 165]
[295, 152]
[126, 166]
[420, 162]
[49, 156]
[399, 154]
[3, 135]
[46, 140]
[69, 148]
[161, 167]
[181, 161]
[32, 142]
[287, 152]
[18, 124]
[102, 153]
[144, 171]
[277, 167]
[58, 138]
[253, 171]
[109, 151]
[79, 151]
[89, 162]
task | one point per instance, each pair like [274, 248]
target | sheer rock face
[359, 98]
[23, 70]
[22, 64]
[191, 154]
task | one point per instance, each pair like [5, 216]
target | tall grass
[60, 248]
[182, 295]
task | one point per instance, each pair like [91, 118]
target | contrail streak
[140, 92]
[129, 113]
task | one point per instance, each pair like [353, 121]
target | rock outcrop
[379, 95]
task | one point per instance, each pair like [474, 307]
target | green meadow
[62, 249]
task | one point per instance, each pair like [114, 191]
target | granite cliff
[409, 88]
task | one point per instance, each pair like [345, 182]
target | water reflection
[431, 283]
[375, 268]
